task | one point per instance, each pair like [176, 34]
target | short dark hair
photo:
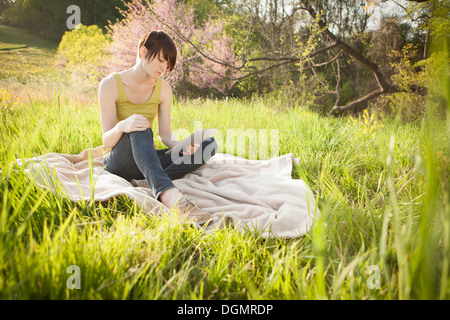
[158, 41]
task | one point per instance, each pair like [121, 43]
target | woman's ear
[142, 52]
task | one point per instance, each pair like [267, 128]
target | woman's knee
[146, 133]
[142, 138]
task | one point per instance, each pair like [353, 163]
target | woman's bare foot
[188, 209]
[170, 197]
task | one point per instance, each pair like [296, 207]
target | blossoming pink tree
[205, 54]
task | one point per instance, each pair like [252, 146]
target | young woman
[129, 102]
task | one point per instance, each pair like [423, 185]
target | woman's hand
[136, 122]
[191, 149]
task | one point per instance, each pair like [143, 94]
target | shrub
[82, 52]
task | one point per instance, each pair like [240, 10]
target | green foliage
[410, 74]
[16, 37]
[45, 17]
[432, 15]
[82, 52]
[4, 4]
[204, 8]
[441, 22]
[48, 17]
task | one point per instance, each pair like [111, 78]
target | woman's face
[156, 66]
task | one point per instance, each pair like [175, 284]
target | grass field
[382, 188]
[28, 68]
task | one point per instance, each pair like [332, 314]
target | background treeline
[333, 56]
[48, 17]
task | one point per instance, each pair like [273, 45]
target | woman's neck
[139, 76]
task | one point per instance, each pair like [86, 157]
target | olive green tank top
[126, 108]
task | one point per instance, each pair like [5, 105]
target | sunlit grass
[382, 188]
[27, 68]
[370, 188]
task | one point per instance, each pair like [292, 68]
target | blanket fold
[259, 195]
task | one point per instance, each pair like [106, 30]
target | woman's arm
[107, 96]
[111, 130]
[165, 134]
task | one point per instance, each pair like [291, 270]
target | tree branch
[351, 51]
[324, 63]
[367, 97]
[338, 82]
[261, 71]
[289, 59]
[293, 59]
[392, 89]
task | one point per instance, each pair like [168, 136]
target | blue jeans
[135, 157]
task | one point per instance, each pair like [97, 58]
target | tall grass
[379, 210]
[382, 188]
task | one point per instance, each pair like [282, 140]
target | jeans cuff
[163, 190]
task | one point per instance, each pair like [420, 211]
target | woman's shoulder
[165, 83]
[108, 84]
[108, 79]
[166, 91]
[165, 86]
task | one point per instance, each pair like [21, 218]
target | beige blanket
[259, 195]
